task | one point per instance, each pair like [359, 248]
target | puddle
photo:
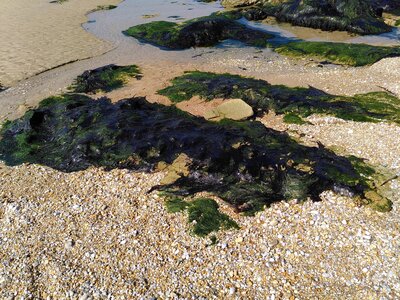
[286, 33]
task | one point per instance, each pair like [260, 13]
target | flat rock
[235, 109]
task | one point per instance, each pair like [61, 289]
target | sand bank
[38, 35]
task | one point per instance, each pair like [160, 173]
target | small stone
[69, 244]
[232, 290]
[239, 240]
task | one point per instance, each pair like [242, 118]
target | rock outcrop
[356, 16]
[244, 163]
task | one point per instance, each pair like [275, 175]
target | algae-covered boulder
[234, 109]
[294, 103]
[244, 163]
[104, 79]
[339, 53]
[201, 32]
[357, 16]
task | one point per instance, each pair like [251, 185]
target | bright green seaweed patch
[340, 53]
[292, 118]
[155, 31]
[200, 32]
[295, 103]
[210, 30]
[176, 204]
[203, 213]
[104, 79]
[244, 163]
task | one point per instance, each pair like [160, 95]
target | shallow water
[285, 33]
[108, 25]
[160, 66]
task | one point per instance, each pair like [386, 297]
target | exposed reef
[295, 103]
[104, 79]
[209, 31]
[356, 16]
[244, 163]
[339, 53]
[200, 32]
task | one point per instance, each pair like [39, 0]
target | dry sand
[99, 235]
[38, 35]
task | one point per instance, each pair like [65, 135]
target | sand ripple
[37, 35]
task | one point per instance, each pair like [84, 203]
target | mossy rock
[295, 103]
[355, 16]
[200, 32]
[104, 79]
[339, 53]
[244, 163]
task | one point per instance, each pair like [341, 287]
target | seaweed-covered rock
[339, 53]
[201, 32]
[388, 5]
[295, 102]
[357, 16]
[105, 79]
[209, 31]
[244, 163]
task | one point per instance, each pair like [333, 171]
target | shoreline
[30, 52]
[102, 234]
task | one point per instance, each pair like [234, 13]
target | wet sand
[38, 35]
[160, 66]
[286, 31]
[99, 234]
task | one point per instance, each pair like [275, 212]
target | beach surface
[101, 234]
[39, 35]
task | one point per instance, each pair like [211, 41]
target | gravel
[98, 234]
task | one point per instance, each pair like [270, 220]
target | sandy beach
[103, 234]
[39, 35]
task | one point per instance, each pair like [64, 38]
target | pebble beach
[105, 234]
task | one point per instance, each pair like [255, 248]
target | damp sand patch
[45, 43]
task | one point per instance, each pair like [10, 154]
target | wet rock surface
[357, 16]
[244, 163]
[209, 31]
[201, 32]
[300, 102]
[105, 79]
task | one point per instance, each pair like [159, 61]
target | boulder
[235, 109]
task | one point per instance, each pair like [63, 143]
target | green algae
[203, 215]
[339, 53]
[244, 163]
[104, 79]
[200, 32]
[176, 204]
[356, 16]
[291, 118]
[205, 212]
[210, 30]
[294, 103]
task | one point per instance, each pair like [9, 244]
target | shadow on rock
[295, 103]
[244, 163]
